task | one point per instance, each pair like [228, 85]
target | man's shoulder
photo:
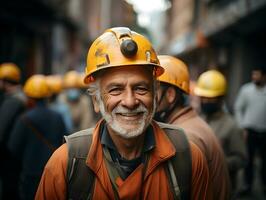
[170, 126]
[75, 142]
[78, 143]
[79, 134]
[247, 87]
[196, 126]
[176, 135]
[58, 159]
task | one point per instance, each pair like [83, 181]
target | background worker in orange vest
[36, 134]
[211, 88]
[173, 107]
[127, 154]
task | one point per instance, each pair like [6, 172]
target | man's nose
[130, 100]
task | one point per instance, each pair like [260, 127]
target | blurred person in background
[2, 91]
[126, 155]
[55, 83]
[250, 112]
[194, 100]
[82, 113]
[211, 88]
[84, 90]
[36, 134]
[173, 107]
[13, 104]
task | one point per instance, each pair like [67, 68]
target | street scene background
[53, 37]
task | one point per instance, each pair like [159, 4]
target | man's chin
[128, 131]
[129, 122]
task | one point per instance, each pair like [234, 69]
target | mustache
[122, 110]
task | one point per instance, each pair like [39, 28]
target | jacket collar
[181, 115]
[163, 150]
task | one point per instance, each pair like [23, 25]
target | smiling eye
[141, 90]
[115, 91]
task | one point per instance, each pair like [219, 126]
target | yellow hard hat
[37, 87]
[55, 83]
[9, 71]
[71, 79]
[120, 47]
[176, 72]
[211, 83]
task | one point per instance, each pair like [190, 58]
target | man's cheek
[105, 98]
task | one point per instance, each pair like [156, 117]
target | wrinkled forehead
[139, 73]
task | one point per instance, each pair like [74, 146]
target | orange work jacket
[155, 184]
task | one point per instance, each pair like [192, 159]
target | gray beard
[123, 132]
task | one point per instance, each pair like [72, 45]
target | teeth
[129, 114]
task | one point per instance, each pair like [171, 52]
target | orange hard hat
[176, 72]
[120, 47]
[55, 83]
[37, 87]
[71, 79]
[9, 71]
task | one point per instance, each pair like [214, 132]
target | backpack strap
[78, 147]
[181, 162]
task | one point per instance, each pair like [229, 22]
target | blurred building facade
[224, 34]
[53, 36]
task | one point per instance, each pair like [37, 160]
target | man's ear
[170, 95]
[95, 104]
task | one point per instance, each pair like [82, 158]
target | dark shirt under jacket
[126, 166]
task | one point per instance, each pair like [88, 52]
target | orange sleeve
[200, 175]
[53, 182]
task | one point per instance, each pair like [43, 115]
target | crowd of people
[34, 119]
[126, 128]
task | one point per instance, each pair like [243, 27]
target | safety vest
[80, 178]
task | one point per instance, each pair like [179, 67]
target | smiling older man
[127, 155]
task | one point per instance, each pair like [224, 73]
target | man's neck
[128, 148]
